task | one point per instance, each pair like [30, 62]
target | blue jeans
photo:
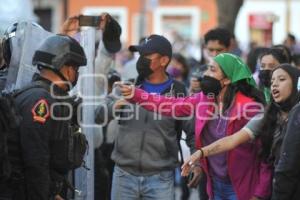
[223, 190]
[126, 186]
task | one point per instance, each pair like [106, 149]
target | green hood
[234, 68]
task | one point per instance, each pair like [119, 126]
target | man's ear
[65, 70]
[164, 61]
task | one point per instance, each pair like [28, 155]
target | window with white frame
[185, 21]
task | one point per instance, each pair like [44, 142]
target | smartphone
[86, 20]
[190, 177]
[116, 90]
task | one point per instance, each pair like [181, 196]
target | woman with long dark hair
[228, 100]
[284, 98]
[262, 126]
[270, 128]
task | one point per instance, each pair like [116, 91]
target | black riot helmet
[57, 51]
[7, 43]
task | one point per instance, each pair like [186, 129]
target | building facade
[188, 19]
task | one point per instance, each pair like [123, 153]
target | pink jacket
[249, 176]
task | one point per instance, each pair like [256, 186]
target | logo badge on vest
[40, 111]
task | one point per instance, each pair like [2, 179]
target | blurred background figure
[252, 59]
[291, 43]
[216, 41]
[196, 75]
[293, 48]
[268, 61]
[179, 69]
[296, 59]
[234, 46]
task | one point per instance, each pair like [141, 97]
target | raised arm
[105, 53]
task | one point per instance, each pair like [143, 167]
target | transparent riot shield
[91, 88]
[26, 40]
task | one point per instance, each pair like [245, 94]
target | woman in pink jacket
[228, 100]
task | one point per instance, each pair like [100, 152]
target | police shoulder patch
[40, 111]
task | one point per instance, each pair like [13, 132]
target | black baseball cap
[111, 35]
[154, 44]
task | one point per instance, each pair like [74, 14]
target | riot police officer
[44, 130]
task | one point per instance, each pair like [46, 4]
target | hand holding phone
[85, 20]
[118, 91]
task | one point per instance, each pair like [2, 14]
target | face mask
[143, 67]
[70, 84]
[265, 77]
[210, 86]
[173, 71]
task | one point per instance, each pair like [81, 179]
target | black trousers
[17, 192]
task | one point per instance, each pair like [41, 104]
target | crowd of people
[239, 113]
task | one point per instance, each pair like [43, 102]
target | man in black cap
[146, 146]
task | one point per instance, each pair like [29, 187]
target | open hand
[70, 26]
[190, 163]
[197, 171]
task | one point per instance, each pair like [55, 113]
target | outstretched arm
[248, 132]
[165, 105]
[222, 145]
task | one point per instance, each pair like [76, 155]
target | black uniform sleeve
[35, 134]
[287, 172]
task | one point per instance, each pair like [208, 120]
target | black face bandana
[285, 106]
[289, 103]
[143, 67]
[210, 86]
[265, 77]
